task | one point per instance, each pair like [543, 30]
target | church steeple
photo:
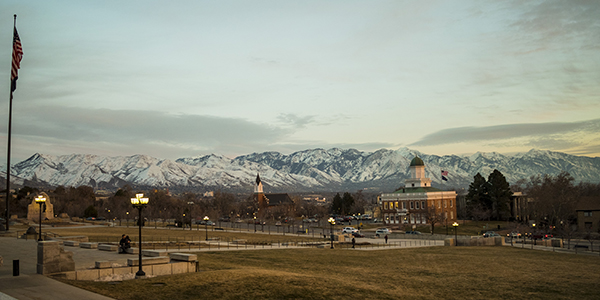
[258, 189]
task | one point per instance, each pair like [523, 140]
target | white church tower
[417, 175]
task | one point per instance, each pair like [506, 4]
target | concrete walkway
[29, 285]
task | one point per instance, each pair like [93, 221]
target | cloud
[504, 132]
[295, 120]
[147, 132]
[559, 21]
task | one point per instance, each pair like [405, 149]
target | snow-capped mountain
[308, 170]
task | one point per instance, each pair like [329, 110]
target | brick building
[418, 202]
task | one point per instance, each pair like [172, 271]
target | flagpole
[9, 138]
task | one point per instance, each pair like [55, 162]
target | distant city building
[417, 202]
[588, 215]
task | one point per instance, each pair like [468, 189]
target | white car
[349, 230]
[382, 231]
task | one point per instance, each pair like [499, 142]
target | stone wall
[150, 270]
[52, 258]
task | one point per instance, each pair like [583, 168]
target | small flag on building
[17, 55]
[444, 174]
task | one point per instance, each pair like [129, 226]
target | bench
[133, 250]
[183, 257]
[71, 243]
[108, 247]
[103, 264]
[88, 245]
[148, 261]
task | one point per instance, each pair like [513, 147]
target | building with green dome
[418, 203]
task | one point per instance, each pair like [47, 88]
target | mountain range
[303, 171]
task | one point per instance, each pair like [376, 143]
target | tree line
[550, 201]
[184, 208]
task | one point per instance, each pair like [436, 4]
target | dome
[417, 162]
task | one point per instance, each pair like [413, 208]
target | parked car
[358, 235]
[382, 231]
[349, 230]
[413, 232]
[278, 223]
[541, 236]
[490, 234]
[225, 219]
[514, 234]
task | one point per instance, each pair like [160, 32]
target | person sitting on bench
[124, 244]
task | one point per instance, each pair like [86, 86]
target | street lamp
[455, 225]
[254, 223]
[40, 200]
[127, 220]
[206, 226]
[139, 202]
[332, 222]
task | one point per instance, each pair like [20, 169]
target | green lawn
[417, 273]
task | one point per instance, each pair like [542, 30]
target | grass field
[113, 234]
[416, 273]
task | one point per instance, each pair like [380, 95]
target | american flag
[17, 55]
[444, 174]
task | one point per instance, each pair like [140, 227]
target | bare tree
[434, 216]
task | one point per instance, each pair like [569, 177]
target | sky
[174, 79]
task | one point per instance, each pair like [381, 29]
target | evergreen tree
[499, 195]
[347, 203]
[478, 192]
[336, 204]
[90, 211]
[477, 197]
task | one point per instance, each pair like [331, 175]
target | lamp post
[40, 200]
[206, 226]
[127, 220]
[455, 225]
[254, 223]
[140, 202]
[332, 222]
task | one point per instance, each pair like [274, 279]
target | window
[385, 205]
[423, 204]
[587, 213]
[417, 204]
[412, 205]
[403, 205]
[396, 204]
[446, 215]
[424, 219]
[439, 204]
[445, 204]
[451, 215]
[450, 203]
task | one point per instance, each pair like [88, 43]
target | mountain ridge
[307, 170]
